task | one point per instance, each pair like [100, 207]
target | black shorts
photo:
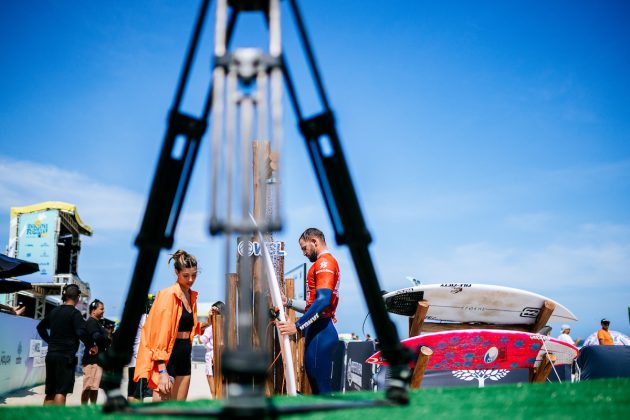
[139, 390]
[60, 370]
[179, 363]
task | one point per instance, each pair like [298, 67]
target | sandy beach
[35, 396]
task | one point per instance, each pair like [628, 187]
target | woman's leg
[211, 385]
[180, 388]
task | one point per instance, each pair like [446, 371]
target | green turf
[587, 400]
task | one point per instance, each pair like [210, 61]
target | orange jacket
[160, 331]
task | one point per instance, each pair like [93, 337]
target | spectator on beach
[136, 390]
[604, 337]
[166, 339]
[92, 372]
[208, 341]
[368, 337]
[566, 330]
[67, 327]
[546, 330]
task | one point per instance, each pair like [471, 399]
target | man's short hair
[70, 291]
[313, 233]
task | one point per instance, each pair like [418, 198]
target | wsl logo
[491, 355]
[249, 248]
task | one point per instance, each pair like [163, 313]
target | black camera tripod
[162, 213]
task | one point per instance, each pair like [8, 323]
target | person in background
[566, 330]
[67, 327]
[604, 337]
[164, 354]
[92, 372]
[136, 390]
[207, 340]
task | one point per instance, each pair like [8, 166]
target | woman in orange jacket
[166, 339]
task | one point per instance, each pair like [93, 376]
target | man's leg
[49, 399]
[60, 399]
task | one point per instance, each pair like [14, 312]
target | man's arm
[80, 329]
[322, 300]
[42, 329]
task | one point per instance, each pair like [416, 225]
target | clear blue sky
[489, 141]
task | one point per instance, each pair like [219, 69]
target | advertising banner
[22, 354]
[37, 242]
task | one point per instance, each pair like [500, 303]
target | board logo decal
[491, 355]
[455, 285]
[456, 290]
[530, 312]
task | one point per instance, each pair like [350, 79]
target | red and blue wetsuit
[322, 296]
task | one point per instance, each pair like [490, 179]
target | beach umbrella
[13, 267]
[12, 286]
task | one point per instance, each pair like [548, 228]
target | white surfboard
[467, 302]
[276, 298]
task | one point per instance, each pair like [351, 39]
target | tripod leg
[345, 213]
[160, 221]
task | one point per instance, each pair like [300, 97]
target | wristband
[163, 371]
[289, 303]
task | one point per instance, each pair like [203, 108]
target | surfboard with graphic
[467, 302]
[486, 349]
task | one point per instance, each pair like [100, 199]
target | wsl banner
[37, 242]
[22, 354]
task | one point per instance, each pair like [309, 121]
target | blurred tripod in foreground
[246, 98]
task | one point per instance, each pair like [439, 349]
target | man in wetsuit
[317, 323]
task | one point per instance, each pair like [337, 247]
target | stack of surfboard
[465, 303]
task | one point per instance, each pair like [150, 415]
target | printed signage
[37, 242]
[249, 248]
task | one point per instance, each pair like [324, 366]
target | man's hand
[286, 327]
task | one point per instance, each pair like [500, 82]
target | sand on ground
[199, 389]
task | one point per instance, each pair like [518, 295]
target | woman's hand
[165, 384]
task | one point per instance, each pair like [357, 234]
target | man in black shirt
[67, 327]
[92, 372]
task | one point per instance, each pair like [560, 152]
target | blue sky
[489, 142]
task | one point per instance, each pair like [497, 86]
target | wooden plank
[216, 321]
[543, 316]
[418, 318]
[542, 371]
[232, 280]
[421, 365]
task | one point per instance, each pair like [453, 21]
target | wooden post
[302, 382]
[231, 307]
[542, 371]
[418, 318]
[217, 336]
[421, 365]
[543, 316]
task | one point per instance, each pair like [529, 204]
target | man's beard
[312, 257]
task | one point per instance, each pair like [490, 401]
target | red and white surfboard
[486, 349]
